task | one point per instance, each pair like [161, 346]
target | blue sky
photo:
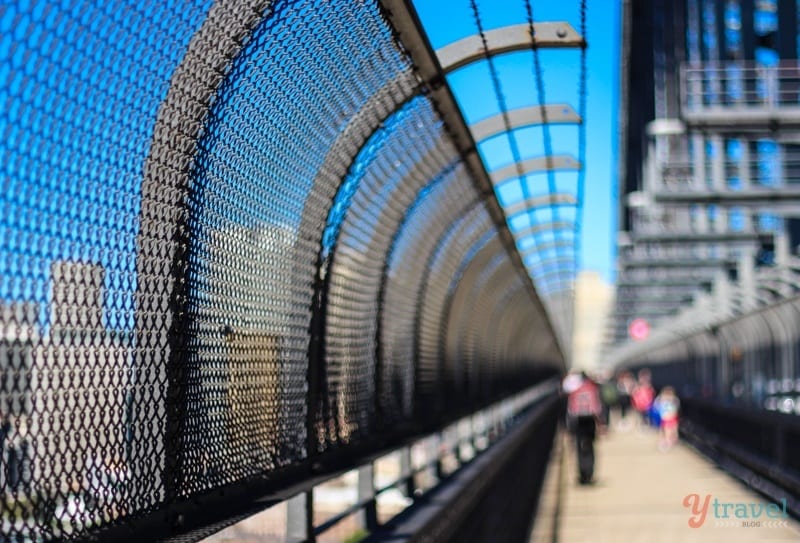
[449, 20]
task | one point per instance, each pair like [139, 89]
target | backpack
[583, 402]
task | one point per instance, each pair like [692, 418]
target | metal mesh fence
[232, 242]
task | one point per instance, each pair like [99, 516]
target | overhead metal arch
[550, 271]
[507, 39]
[553, 285]
[556, 275]
[547, 245]
[545, 236]
[550, 258]
[405, 23]
[549, 275]
[345, 149]
[535, 202]
[162, 267]
[530, 166]
[549, 226]
[553, 263]
[523, 117]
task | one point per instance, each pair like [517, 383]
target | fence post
[368, 518]
[297, 518]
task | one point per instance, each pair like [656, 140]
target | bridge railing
[755, 445]
[740, 85]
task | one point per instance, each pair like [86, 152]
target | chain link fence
[238, 249]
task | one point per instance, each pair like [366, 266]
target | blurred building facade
[709, 165]
[593, 301]
[73, 367]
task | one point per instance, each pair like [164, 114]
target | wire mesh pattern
[231, 240]
[408, 275]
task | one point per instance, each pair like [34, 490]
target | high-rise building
[593, 297]
[64, 387]
[709, 168]
[235, 399]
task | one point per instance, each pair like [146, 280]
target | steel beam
[544, 227]
[546, 245]
[535, 202]
[553, 263]
[529, 166]
[524, 117]
[551, 35]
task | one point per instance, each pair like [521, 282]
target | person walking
[642, 397]
[584, 412]
[667, 405]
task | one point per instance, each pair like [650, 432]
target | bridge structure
[272, 263]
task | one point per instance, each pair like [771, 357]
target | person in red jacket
[642, 396]
[584, 412]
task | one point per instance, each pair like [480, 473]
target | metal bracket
[528, 166]
[524, 117]
[559, 198]
[551, 35]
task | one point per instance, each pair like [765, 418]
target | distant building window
[710, 30]
[733, 29]
[765, 25]
[768, 163]
[768, 223]
[736, 220]
[713, 215]
[766, 17]
[692, 34]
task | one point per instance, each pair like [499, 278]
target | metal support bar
[524, 117]
[545, 227]
[507, 39]
[534, 166]
[536, 247]
[535, 202]
[366, 494]
[297, 521]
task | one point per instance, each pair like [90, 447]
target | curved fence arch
[229, 260]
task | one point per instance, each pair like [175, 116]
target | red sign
[639, 329]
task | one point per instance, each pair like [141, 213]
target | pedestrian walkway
[639, 496]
